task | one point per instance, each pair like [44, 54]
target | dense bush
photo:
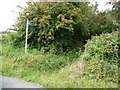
[116, 10]
[7, 37]
[61, 26]
[101, 56]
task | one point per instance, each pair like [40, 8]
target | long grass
[48, 70]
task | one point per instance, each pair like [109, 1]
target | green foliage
[56, 71]
[104, 23]
[42, 62]
[116, 10]
[61, 26]
[101, 55]
[7, 37]
[34, 59]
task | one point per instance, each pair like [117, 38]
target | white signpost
[26, 36]
[28, 24]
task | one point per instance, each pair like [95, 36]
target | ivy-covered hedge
[101, 57]
[61, 26]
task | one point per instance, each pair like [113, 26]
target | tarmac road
[11, 82]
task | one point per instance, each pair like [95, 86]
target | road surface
[11, 82]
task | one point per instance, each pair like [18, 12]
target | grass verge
[49, 70]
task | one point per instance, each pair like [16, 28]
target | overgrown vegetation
[101, 55]
[63, 26]
[72, 46]
[72, 70]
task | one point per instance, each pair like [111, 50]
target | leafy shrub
[116, 11]
[7, 37]
[101, 56]
[61, 26]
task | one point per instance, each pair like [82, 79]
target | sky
[9, 11]
[7, 16]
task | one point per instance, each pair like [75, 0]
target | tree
[61, 26]
[116, 9]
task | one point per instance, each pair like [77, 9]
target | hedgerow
[61, 26]
[101, 57]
